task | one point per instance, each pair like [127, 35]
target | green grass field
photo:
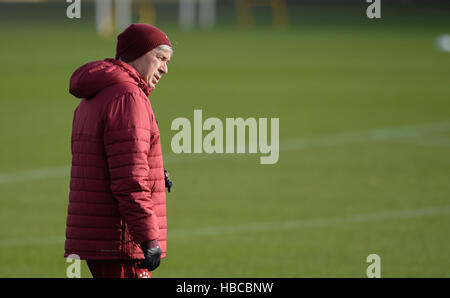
[364, 167]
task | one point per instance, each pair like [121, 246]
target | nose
[163, 68]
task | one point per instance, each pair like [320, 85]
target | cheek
[149, 73]
[151, 70]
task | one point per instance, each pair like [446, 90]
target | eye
[163, 58]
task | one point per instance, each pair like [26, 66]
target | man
[117, 203]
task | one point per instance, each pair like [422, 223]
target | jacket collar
[133, 73]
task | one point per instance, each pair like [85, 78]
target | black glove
[152, 258]
[169, 183]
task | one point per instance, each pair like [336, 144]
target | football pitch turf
[364, 164]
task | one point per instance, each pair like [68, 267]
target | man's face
[153, 65]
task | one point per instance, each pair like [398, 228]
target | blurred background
[364, 109]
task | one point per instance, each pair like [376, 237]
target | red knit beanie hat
[137, 40]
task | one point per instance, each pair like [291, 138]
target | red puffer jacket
[117, 194]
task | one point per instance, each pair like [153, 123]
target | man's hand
[167, 181]
[152, 253]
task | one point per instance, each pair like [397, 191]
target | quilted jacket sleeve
[127, 139]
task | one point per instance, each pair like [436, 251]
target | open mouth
[156, 79]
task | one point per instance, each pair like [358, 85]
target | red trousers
[117, 269]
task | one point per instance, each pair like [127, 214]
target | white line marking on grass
[311, 223]
[37, 174]
[375, 135]
[437, 141]
[265, 226]
[409, 133]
